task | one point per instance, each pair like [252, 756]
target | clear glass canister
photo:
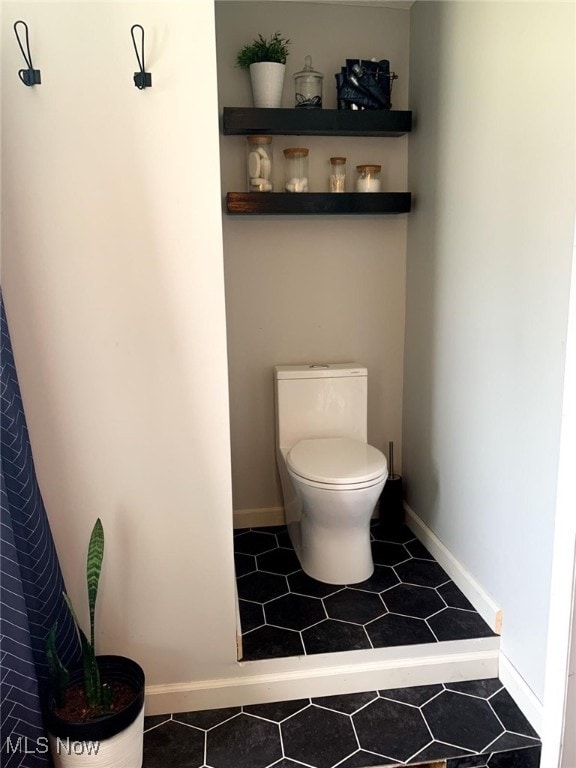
[368, 178]
[308, 86]
[296, 169]
[259, 163]
[337, 174]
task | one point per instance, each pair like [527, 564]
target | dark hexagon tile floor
[409, 599]
[474, 724]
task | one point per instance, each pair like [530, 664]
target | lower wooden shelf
[319, 203]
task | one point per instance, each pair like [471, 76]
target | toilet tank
[320, 401]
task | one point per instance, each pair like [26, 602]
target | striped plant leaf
[92, 686]
[93, 568]
[92, 682]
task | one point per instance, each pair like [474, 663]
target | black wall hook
[29, 76]
[142, 79]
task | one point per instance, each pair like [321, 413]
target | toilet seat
[337, 462]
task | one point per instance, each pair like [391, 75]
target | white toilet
[331, 478]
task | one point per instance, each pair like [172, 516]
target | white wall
[569, 747]
[302, 289]
[113, 284]
[558, 734]
[489, 256]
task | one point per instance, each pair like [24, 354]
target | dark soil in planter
[125, 677]
[77, 710]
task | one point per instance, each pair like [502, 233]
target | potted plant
[266, 61]
[94, 714]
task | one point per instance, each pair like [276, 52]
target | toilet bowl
[331, 477]
[338, 482]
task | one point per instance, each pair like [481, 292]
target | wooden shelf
[316, 122]
[289, 203]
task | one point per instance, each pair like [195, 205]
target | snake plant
[98, 694]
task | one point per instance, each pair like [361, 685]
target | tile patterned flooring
[409, 599]
[472, 724]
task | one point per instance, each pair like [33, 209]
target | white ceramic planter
[267, 83]
[124, 750]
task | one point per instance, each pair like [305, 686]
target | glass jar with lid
[368, 178]
[296, 169]
[337, 174]
[259, 163]
[308, 86]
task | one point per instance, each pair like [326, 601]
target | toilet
[331, 478]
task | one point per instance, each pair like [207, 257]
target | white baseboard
[261, 682]
[479, 598]
[520, 691]
[253, 518]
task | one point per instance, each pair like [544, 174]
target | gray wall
[488, 272]
[305, 289]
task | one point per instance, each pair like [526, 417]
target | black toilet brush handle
[391, 458]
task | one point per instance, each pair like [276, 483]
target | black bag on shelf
[365, 84]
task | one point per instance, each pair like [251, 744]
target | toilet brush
[391, 500]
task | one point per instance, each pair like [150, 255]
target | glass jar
[296, 169]
[368, 178]
[337, 174]
[259, 163]
[308, 86]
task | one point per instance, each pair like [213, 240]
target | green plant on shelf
[262, 49]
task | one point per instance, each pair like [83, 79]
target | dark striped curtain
[31, 584]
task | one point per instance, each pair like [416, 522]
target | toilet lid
[336, 460]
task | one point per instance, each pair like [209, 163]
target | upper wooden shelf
[316, 122]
